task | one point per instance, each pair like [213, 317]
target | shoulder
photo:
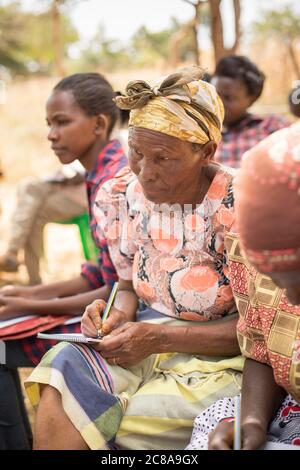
[116, 187]
[123, 189]
[274, 122]
[222, 183]
[221, 197]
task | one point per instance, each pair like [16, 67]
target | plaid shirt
[110, 160]
[242, 137]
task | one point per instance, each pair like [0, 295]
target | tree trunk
[57, 38]
[175, 42]
[294, 60]
[195, 27]
[217, 29]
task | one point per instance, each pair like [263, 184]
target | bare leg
[53, 429]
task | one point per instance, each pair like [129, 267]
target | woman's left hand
[11, 307]
[129, 344]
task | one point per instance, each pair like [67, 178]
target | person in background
[267, 294]
[294, 101]
[239, 84]
[57, 198]
[81, 115]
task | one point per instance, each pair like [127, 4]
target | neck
[89, 159]
[235, 123]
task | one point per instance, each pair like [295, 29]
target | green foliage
[283, 24]
[144, 48]
[26, 39]
[12, 24]
[148, 47]
[101, 52]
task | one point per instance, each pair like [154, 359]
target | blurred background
[43, 40]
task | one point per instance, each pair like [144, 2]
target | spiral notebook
[70, 337]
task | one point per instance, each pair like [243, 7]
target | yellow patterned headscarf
[181, 105]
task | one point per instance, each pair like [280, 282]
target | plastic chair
[90, 250]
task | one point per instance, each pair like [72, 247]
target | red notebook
[31, 326]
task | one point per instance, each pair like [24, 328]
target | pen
[108, 306]
[237, 423]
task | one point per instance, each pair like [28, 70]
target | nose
[147, 171]
[52, 134]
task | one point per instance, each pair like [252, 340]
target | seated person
[81, 115]
[165, 220]
[57, 198]
[240, 83]
[268, 297]
[294, 101]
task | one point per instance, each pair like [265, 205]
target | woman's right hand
[222, 437]
[91, 321]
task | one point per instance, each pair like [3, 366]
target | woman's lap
[149, 406]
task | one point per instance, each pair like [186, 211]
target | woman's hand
[18, 291]
[11, 307]
[129, 344]
[222, 437]
[91, 321]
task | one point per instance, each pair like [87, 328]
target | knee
[29, 187]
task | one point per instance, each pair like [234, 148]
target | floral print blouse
[175, 258]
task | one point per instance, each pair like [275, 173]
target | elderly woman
[268, 220]
[170, 347]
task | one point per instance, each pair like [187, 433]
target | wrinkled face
[289, 281]
[71, 130]
[235, 97]
[166, 167]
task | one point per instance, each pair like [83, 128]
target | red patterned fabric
[245, 135]
[269, 327]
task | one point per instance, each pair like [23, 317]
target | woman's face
[289, 281]
[71, 130]
[235, 97]
[167, 168]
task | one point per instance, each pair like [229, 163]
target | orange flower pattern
[176, 260]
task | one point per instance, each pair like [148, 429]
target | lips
[152, 190]
[58, 149]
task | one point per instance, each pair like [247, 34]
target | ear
[208, 151]
[102, 125]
